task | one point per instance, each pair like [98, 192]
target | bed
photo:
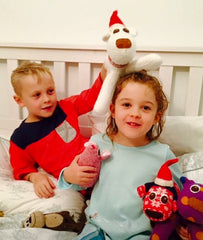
[74, 69]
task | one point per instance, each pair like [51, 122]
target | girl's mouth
[133, 124]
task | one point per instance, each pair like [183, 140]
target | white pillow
[184, 134]
[191, 165]
[5, 167]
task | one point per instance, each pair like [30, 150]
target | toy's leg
[34, 220]
[195, 231]
[63, 221]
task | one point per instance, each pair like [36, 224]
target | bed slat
[192, 104]
[84, 76]
[59, 74]
[13, 109]
[166, 77]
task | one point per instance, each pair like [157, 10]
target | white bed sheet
[18, 200]
[11, 229]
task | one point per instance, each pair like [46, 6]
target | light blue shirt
[115, 206]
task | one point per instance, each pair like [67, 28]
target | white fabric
[184, 134]
[192, 166]
[18, 200]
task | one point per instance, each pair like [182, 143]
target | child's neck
[131, 142]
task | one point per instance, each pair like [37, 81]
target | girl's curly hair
[152, 82]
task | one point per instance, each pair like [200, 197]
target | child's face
[39, 97]
[135, 112]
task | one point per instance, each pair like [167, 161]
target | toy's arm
[141, 190]
[103, 101]
[149, 62]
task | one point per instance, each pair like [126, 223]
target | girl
[136, 121]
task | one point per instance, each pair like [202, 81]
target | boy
[49, 137]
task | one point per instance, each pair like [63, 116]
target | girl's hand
[43, 185]
[80, 175]
[183, 232]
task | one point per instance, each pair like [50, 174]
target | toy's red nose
[123, 43]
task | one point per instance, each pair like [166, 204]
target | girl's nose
[135, 112]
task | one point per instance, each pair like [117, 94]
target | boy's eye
[36, 95]
[50, 91]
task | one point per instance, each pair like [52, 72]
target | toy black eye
[126, 30]
[164, 199]
[195, 188]
[116, 30]
[152, 195]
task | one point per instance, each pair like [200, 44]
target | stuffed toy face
[120, 44]
[158, 204]
[190, 201]
[92, 156]
[159, 197]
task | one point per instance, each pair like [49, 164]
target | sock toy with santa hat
[121, 59]
[160, 202]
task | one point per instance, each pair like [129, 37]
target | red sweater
[53, 142]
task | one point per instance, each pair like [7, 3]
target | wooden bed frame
[75, 69]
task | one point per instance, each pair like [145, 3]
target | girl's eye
[146, 108]
[126, 104]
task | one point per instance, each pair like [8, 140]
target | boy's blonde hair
[28, 68]
[162, 102]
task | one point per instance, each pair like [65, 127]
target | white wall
[159, 23]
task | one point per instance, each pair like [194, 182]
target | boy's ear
[18, 100]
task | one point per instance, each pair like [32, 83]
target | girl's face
[134, 112]
[39, 97]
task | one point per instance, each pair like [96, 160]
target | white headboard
[75, 68]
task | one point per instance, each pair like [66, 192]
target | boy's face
[39, 97]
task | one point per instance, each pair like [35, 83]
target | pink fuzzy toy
[92, 156]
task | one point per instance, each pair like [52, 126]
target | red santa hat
[164, 177]
[115, 19]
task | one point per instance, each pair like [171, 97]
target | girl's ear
[157, 118]
[112, 109]
[18, 100]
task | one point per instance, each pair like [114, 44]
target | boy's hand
[43, 185]
[80, 175]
